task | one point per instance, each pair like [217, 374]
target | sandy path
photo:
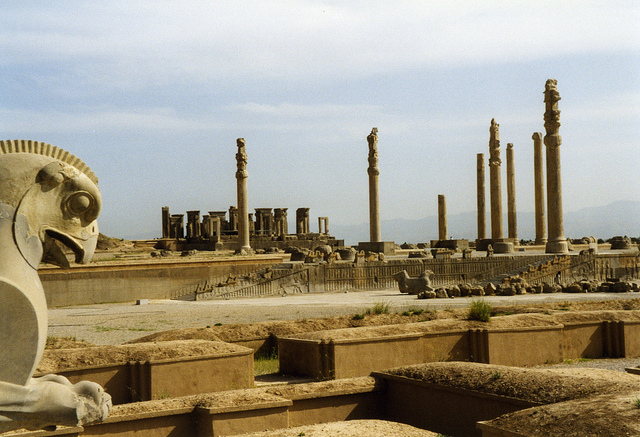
[118, 323]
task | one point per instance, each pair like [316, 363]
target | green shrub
[358, 316]
[378, 308]
[479, 310]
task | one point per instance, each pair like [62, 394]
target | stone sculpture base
[457, 245]
[559, 246]
[386, 247]
[503, 247]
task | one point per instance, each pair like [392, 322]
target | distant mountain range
[617, 218]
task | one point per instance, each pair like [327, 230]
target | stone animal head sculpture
[47, 196]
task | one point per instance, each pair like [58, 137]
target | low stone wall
[239, 411]
[458, 398]
[517, 340]
[147, 371]
[166, 280]
[440, 408]
[451, 398]
[128, 282]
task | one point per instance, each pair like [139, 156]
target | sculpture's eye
[79, 203]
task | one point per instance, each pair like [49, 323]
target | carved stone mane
[44, 149]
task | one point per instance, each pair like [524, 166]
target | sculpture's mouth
[83, 249]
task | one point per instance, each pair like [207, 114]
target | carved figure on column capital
[372, 139]
[241, 158]
[494, 143]
[552, 114]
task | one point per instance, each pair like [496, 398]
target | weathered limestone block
[427, 294]
[551, 288]
[489, 290]
[441, 293]
[454, 291]
[575, 287]
[620, 243]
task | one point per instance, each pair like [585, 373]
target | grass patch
[636, 403]
[266, 363]
[479, 310]
[496, 375]
[378, 308]
[100, 328]
[411, 311]
[357, 317]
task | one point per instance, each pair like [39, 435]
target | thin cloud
[312, 40]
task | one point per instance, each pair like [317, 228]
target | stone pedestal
[373, 171]
[556, 243]
[243, 200]
[538, 182]
[503, 246]
[482, 212]
[386, 247]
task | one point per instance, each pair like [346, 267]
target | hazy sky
[153, 94]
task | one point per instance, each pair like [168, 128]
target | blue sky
[153, 94]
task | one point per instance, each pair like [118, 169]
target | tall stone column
[243, 200]
[482, 212]
[512, 224]
[538, 182]
[556, 243]
[442, 218]
[495, 182]
[374, 171]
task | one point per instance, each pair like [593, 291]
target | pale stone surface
[374, 171]
[46, 194]
[556, 242]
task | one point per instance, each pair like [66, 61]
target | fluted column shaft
[374, 171]
[442, 218]
[512, 217]
[538, 182]
[482, 212]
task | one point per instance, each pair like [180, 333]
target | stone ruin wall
[288, 278]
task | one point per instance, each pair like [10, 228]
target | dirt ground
[237, 332]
